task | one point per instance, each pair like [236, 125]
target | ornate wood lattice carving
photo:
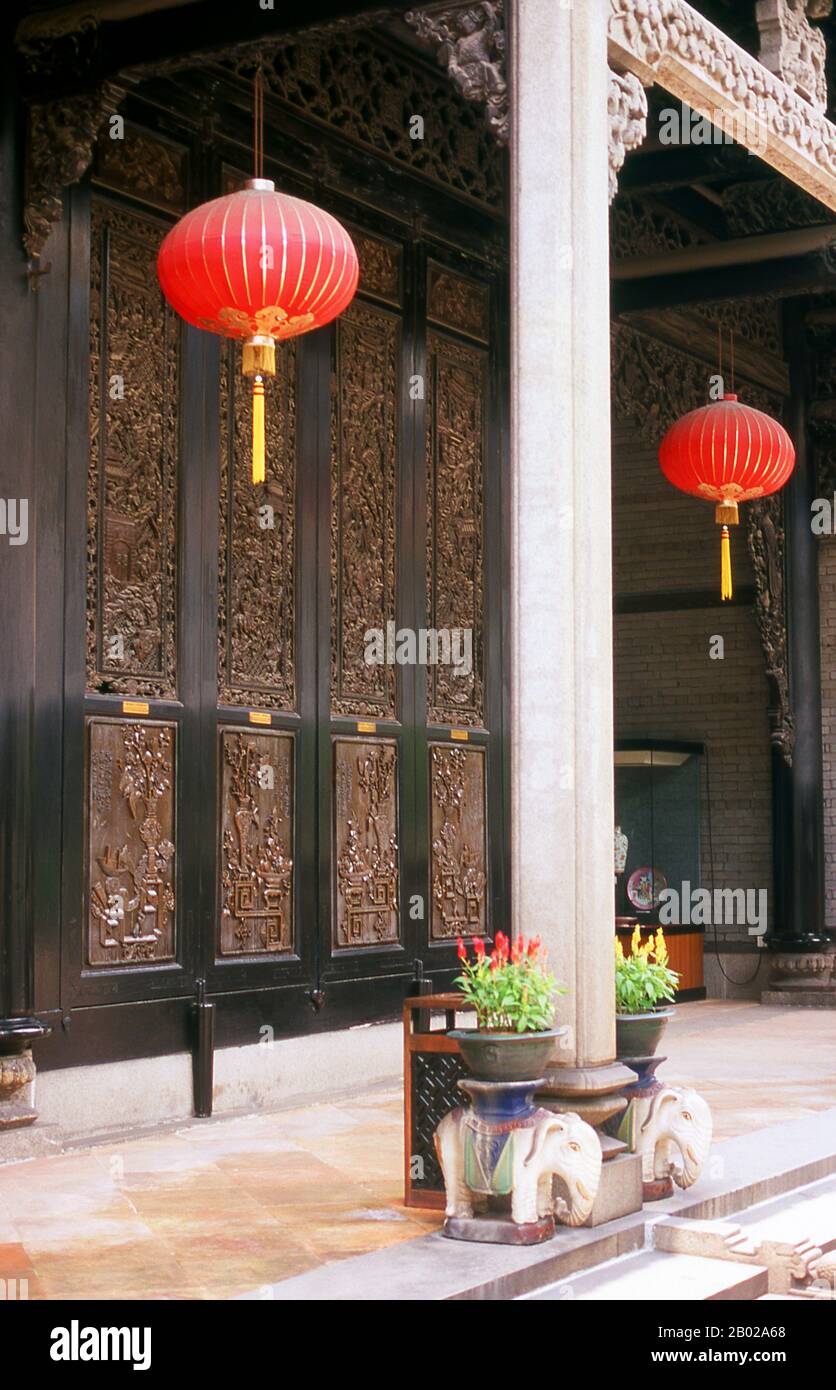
[256, 858]
[143, 166]
[458, 818]
[132, 477]
[455, 446]
[770, 205]
[130, 842]
[364, 461]
[257, 541]
[458, 303]
[470, 44]
[368, 92]
[366, 842]
[435, 1092]
[641, 228]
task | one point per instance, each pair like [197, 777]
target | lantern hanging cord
[258, 124]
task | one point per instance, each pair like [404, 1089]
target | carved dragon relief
[653, 384]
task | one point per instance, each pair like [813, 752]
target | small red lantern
[260, 266]
[727, 453]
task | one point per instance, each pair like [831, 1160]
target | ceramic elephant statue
[675, 1136]
[523, 1160]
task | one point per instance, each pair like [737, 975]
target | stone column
[561, 585]
[803, 960]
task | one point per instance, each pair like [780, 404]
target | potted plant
[513, 995]
[643, 983]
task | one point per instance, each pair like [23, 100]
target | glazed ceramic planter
[506, 1056]
[639, 1035]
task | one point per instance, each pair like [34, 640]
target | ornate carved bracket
[61, 138]
[470, 40]
[793, 49]
[668, 42]
[627, 110]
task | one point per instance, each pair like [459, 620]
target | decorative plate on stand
[644, 888]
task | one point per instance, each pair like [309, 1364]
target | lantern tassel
[725, 564]
[258, 430]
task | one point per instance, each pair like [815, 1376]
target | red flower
[533, 946]
[479, 947]
[502, 945]
[461, 949]
[519, 948]
[494, 959]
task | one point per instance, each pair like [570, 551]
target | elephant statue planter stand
[669, 1126]
[521, 1166]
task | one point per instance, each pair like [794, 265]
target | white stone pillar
[561, 586]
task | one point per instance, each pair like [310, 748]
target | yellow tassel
[258, 430]
[725, 564]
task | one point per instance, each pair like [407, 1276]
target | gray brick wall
[667, 685]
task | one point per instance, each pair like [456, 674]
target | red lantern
[727, 453]
[260, 266]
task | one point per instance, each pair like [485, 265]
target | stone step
[654, 1275]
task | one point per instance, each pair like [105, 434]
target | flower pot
[506, 1056]
[639, 1035]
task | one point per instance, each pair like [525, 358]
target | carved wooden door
[284, 764]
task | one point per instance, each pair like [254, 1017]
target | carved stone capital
[627, 111]
[62, 134]
[470, 44]
[792, 49]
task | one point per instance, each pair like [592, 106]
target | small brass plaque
[460, 735]
[366, 726]
[260, 716]
[136, 707]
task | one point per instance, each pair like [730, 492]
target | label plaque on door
[366, 849]
[256, 834]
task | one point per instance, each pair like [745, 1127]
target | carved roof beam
[668, 42]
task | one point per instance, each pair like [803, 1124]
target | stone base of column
[803, 979]
[595, 1094]
[17, 1071]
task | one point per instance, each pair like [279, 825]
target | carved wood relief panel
[366, 842]
[130, 842]
[144, 166]
[257, 541]
[380, 267]
[132, 476]
[256, 851]
[455, 449]
[454, 302]
[364, 485]
[458, 819]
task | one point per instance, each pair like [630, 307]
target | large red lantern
[260, 266]
[727, 453]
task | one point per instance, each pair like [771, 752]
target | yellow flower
[661, 951]
[636, 942]
[619, 949]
